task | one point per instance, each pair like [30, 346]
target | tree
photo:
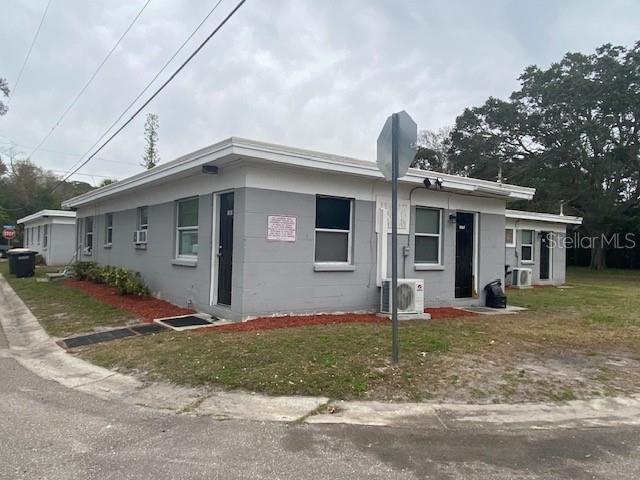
[433, 150]
[572, 131]
[151, 157]
[4, 89]
[106, 181]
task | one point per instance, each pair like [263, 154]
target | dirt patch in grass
[448, 312]
[271, 323]
[144, 308]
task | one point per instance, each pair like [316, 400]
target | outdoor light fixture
[439, 182]
[452, 218]
[427, 183]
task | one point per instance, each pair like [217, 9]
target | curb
[32, 348]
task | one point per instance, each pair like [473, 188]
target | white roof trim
[543, 217]
[47, 213]
[279, 154]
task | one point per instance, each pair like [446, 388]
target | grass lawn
[572, 343]
[63, 310]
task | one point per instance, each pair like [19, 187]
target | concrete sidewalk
[30, 345]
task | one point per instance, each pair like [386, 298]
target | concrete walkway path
[32, 348]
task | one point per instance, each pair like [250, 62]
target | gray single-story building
[536, 241]
[243, 228]
[52, 234]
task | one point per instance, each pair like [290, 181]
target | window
[45, 237]
[38, 234]
[108, 227]
[187, 234]
[143, 218]
[427, 236]
[26, 236]
[333, 230]
[88, 234]
[510, 237]
[526, 246]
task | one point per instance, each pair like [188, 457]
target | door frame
[475, 261]
[213, 247]
[550, 279]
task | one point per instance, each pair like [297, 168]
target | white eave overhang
[543, 217]
[239, 148]
[46, 214]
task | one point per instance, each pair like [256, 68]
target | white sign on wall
[281, 228]
[403, 214]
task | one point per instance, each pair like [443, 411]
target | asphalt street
[50, 432]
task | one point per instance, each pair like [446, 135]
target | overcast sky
[315, 74]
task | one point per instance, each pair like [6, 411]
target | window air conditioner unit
[140, 237]
[522, 277]
[410, 296]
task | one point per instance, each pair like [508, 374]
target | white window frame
[88, 233]
[522, 244]
[45, 236]
[179, 229]
[334, 230]
[513, 236]
[39, 229]
[26, 236]
[108, 229]
[438, 235]
[144, 226]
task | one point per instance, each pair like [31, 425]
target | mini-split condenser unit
[140, 237]
[410, 296]
[522, 277]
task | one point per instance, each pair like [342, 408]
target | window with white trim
[108, 229]
[526, 245]
[45, 236]
[26, 236]
[510, 237]
[143, 218]
[187, 228]
[428, 239]
[334, 230]
[88, 234]
[38, 234]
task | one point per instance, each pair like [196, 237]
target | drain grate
[109, 335]
[186, 321]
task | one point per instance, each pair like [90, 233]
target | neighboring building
[52, 234]
[244, 228]
[537, 241]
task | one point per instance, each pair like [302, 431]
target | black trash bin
[22, 262]
[495, 296]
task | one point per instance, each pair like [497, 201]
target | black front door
[225, 248]
[544, 256]
[464, 255]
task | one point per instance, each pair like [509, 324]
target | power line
[91, 78]
[147, 102]
[142, 92]
[26, 58]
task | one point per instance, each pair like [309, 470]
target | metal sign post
[396, 151]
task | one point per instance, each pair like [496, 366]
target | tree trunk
[598, 255]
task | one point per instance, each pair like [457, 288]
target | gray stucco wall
[61, 243]
[279, 277]
[558, 258]
[183, 285]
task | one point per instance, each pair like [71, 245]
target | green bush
[126, 282]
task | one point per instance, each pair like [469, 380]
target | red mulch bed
[448, 312]
[271, 323]
[145, 308]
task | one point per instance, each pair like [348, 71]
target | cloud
[313, 74]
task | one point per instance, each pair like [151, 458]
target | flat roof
[47, 213]
[543, 217]
[235, 148]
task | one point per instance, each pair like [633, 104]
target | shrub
[126, 282]
[80, 270]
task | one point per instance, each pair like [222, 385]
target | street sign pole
[394, 238]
